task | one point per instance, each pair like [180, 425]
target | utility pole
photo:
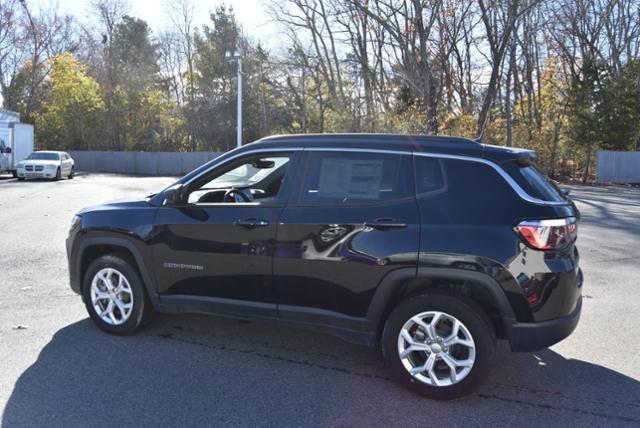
[237, 57]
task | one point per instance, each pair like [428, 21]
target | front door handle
[386, 223]
[251, 223]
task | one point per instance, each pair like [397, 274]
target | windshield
[43, 156]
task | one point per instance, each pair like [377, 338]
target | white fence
[618, 167]
[141, 163]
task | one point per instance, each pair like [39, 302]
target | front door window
[256, 180]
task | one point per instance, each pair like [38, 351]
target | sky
[251, 14]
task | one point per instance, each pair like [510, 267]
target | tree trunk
[585, 177]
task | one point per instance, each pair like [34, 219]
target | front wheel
[114, 296]
[439, 345]
[72, 173]
[58, 175]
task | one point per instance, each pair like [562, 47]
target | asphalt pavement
[57, 369]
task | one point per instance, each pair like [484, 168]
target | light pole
[237, 57]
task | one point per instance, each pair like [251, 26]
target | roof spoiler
[526, 158]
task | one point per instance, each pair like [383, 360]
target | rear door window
[344, 178]
[430, 176]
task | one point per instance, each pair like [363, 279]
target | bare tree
[499, 18]
[182, 14]
[12, 48]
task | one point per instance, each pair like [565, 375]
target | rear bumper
[528, 337]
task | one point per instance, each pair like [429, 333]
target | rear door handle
[386, 223]
[251, 223]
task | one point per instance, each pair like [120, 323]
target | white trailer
[16, 141]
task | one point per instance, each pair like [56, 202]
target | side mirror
[262, 164]
[174, 195]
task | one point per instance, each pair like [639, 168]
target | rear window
[534, 182]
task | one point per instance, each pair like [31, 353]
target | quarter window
[343, 178]
[534, 182]
[454, 191]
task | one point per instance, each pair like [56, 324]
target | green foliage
[72, 112]
[620, 109]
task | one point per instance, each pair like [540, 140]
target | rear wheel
[439, 345]
[114, 296]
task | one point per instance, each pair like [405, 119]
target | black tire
[72, 173]
[58, 175]
[141, 312]
[20, 178]
[14, 173]
[467, 312]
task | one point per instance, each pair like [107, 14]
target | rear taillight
[548, 234]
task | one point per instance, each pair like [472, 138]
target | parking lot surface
[57, 369]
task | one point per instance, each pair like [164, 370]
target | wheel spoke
[106, 311]
[121, 284]
[455, 330]
[100, 295]
[421, 323]
[457, 341]
[124, 307]
[106, 279]
[431, 327]
[427, 366]
[453, 374]
[416, 347]
[431, 361]
[452, 362]
[406, 336]
[434, 378]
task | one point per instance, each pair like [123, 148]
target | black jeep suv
[432, 247]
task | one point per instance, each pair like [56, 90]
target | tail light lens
[548, 234]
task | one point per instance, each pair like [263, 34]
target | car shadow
[197, 370]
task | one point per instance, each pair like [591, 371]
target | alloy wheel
[111, 296]
[436, 348]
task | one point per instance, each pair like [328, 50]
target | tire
[20, 178]
[451, 307]
[72, 173]
[58, 175]
[14, 173]
[111, 267]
